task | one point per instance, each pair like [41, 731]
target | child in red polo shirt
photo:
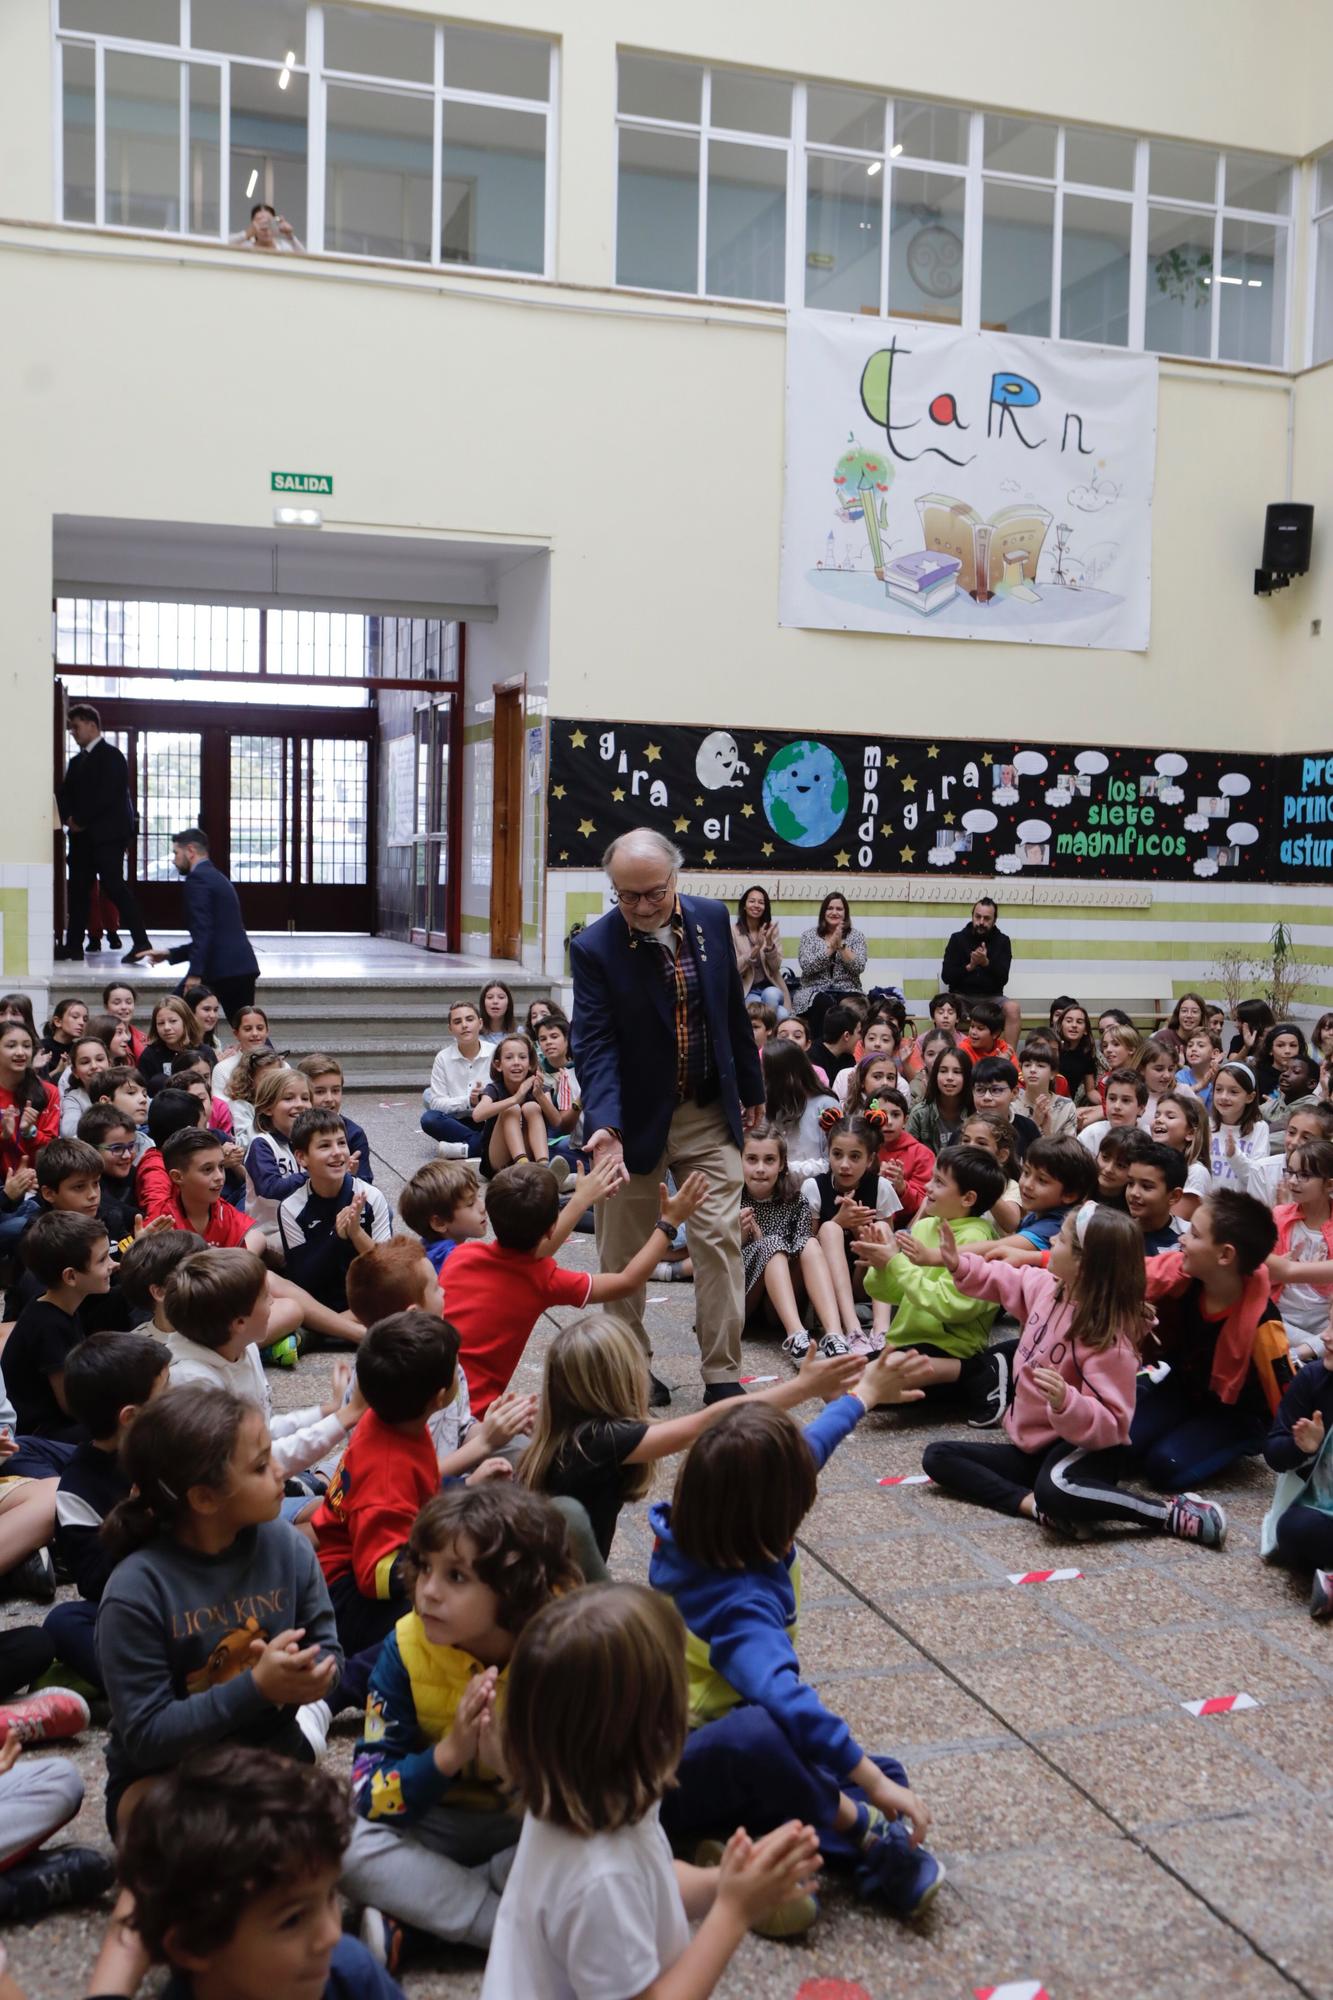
[494, 1293]
[193, 1160]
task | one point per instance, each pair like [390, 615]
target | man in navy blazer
[219, 952]
[670, 1078]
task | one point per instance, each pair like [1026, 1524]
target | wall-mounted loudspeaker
[1288, 529]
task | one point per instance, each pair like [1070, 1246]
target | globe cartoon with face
[805, 794]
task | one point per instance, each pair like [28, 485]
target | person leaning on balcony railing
[267, 231]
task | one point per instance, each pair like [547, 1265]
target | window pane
[167, 795]
[1016, 241]
[1019, 146]
[844, 210]
[1254, 283]
[134, 20]
[1094, 270]
[1324, 185]
[380, 150]
[269, 29]
[930, 131]
[335, 802]
[508, 65]
[205, 151]
[926, 245]
[79, 135]
[260, 815]
[1187, 172]
[268, 146]
[657, 229]
[143, 119]
[844, 118]
[379, 44]
[1323, 297]
[1253, 181]
[1099, 158]
[1179, 283]
[653, 88]
[494, 187]
[751, 103]
[747, 221]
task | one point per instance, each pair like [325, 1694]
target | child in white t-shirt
[593, 1728]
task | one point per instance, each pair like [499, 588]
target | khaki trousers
[699, 1139]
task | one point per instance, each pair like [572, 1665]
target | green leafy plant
[1183, 275]
[1282, 978]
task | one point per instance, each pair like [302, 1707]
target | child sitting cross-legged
[1074, 1376]
[1298, 1528]
[219, 1308]
[434, 1832]
[231, 1879]
[762, 1745]
[333, 1216]
[109, 1378]
[783, 1263]
[591, 1734]
[931, 1316]
[850, 1193]
[442, 1204]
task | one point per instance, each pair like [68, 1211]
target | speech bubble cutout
[1205, 867]
[1171, 764]
[1195, 823]
[1005, 795]
[979, 820]
[1057, 796]
[1169, 795]
[1091, 762]
[1035, 829]
[1008, 864]
[940, 857]
[1233, 784]
[1030, 763]
[1241, 834]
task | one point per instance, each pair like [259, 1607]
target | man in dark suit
[219, 952]
[95, 804]
[670, 1078]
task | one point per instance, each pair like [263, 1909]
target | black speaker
[1287, 532]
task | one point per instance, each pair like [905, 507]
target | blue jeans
[70, 1629]
[1179, 1438]
[461, 1131]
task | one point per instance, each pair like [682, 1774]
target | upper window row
[749, 187]
[372, 134]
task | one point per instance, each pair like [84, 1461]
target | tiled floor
[1099, 1840]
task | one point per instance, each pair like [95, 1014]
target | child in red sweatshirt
[1074, 1377]
[904, 1161]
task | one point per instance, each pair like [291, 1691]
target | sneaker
[658, 1393]
[313, 1719]
[382, 1937]
[1191, 1519]
[720, 1392]
[797, 1345]
[283, 1353]
[45, 1717]
[34, 1577]
[55, 1880]
[560, 1168]
[893, 1872]
[790, 1919]
[452, 1149]
[1321, 1596]
[834, 1343]
[866, 1344]
[663, 1273]
[989, 1396]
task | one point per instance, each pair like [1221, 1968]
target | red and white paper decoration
[1014, 1989]
[1220, 1704]
[1039, 1576]
[906, 1479]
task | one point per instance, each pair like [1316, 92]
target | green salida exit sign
[301, 482]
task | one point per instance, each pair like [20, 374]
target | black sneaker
[658, 1393]
[54, 1880]
[114, 940]
[989, 1391]
[35, 1577]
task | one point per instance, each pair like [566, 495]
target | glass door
[434, 891]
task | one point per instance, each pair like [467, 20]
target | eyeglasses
[117, 1150]
[650, 898]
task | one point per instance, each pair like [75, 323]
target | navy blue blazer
[625, 1037]
[218, 947]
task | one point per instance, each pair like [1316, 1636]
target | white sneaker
[451, 1149]
[797, 1345]
[314, 1719]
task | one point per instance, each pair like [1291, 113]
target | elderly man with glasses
[670, 1076]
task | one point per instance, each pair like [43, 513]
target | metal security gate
[283, 794]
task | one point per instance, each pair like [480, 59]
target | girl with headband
[1074, 1376]
[1240, 1134]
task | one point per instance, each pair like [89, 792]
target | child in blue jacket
[762, 1746]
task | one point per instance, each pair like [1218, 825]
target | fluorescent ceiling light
[284, 78]
[252, 182]
[1255, 284]
[895, 150]
[297, 517]
[874, 167]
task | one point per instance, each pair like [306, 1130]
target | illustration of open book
[999, 554]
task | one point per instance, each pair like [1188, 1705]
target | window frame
[973, 176]
[1317, 216]
[317, 79]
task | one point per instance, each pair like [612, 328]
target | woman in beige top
[759, 950]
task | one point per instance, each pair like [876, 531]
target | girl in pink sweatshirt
[1074, 1375]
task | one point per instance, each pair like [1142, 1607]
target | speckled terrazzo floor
[1100, 1841]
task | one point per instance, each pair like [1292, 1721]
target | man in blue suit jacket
[670, 1078]
[219, 952]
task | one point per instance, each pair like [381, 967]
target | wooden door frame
[508, 768]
